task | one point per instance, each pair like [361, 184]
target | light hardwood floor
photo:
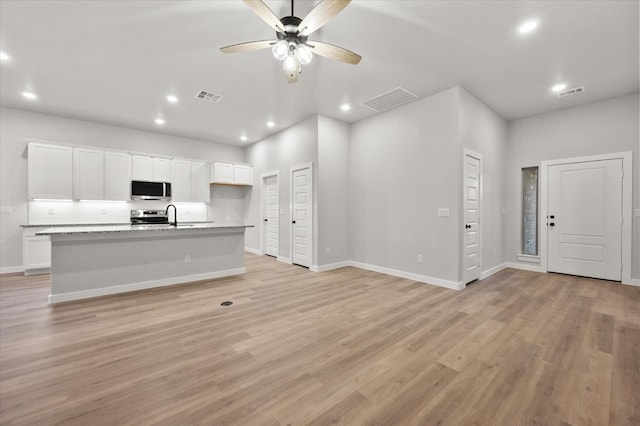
[341, 347]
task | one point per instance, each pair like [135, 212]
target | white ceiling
[115, 61]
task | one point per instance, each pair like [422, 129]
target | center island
[91, 261]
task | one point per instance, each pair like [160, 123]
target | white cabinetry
[88, 174]
[221, 173]
[154, 169]
[36, 252]
[200, 182]
[50, 171]
[242, 174]
[231, 174]
[117, 176]
[181, 181]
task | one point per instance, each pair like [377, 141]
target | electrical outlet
[51, 211]
[5, 210]
[228, 218]
[420, 258]
[187, 258]
[328, 250]
[104, 211]
[637, 212]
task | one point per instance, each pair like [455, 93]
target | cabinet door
[88, 174]
[222, 173]
[50, 171]
[142, 168]
[117, 176]
[181, 181]
[242, 175]
[161, 170]
[200, 182]
[36, 250]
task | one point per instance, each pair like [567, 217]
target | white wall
[333, 191]
[598, 128]
[485, 132]
[405, 164]
[296, 145]
[16, 125]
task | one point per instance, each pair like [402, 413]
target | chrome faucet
[175, 214]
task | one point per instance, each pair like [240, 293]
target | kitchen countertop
[68, 225]
[120, 228]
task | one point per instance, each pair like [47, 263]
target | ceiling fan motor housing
[291, 34]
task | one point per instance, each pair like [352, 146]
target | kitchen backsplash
[61, 212]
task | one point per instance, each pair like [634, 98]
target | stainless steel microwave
[143, 190]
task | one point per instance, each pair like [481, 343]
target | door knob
[266, 220]
[467, 226]
[552, 224]
[293, 221]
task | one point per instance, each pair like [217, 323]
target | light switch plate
[443, 212]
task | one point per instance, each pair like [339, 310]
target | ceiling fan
[292, 45]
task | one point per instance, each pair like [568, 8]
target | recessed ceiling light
[559, 87]
[270, 123]
[243, 138]
[30, 95]
[173, 99]
[345, 107]
[159, 121]
[528, 26]
[4, 56]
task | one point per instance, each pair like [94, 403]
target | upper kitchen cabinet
[152, 169]
[50, 171]
[231, 174]
[88, 174]
[181, 180]
[117, 177]
[221, 173]
[242, 174]
[200, 182]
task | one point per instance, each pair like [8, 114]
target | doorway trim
[293, 169]
[263, 206]
[627, 218]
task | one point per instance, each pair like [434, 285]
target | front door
[302, 226]
[584, 220]
[271, 215]
[472, 249]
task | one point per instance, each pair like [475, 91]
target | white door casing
[302, 214]
[584, 224]
[472, 248]
[271, 214]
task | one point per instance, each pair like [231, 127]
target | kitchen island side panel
[88, 266]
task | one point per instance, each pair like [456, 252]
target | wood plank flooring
[341, 347]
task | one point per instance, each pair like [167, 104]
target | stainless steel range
[149, 217]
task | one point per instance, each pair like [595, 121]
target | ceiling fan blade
[267, 15]
[248, 46]
[322, 13]
[334, 52]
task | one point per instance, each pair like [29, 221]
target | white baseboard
[284, 260]
[632, 281]
[11, 269]
[524, 267]
[494, 270]
[77, 295]
[411, 276]
[330, 266]
[254, 251]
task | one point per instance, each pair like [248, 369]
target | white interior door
[302, 208]
[271, 203]
[472, 255]
[584, 220]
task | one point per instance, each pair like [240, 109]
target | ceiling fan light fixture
[280, 50]
[291, 64]
[304, 54]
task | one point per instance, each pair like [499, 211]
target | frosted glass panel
[530, 211]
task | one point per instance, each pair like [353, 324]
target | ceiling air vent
[205, 95]
[389, 100]
[573, 91]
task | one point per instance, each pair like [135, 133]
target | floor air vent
[573, 91]
[205, 95]
[389, 100]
